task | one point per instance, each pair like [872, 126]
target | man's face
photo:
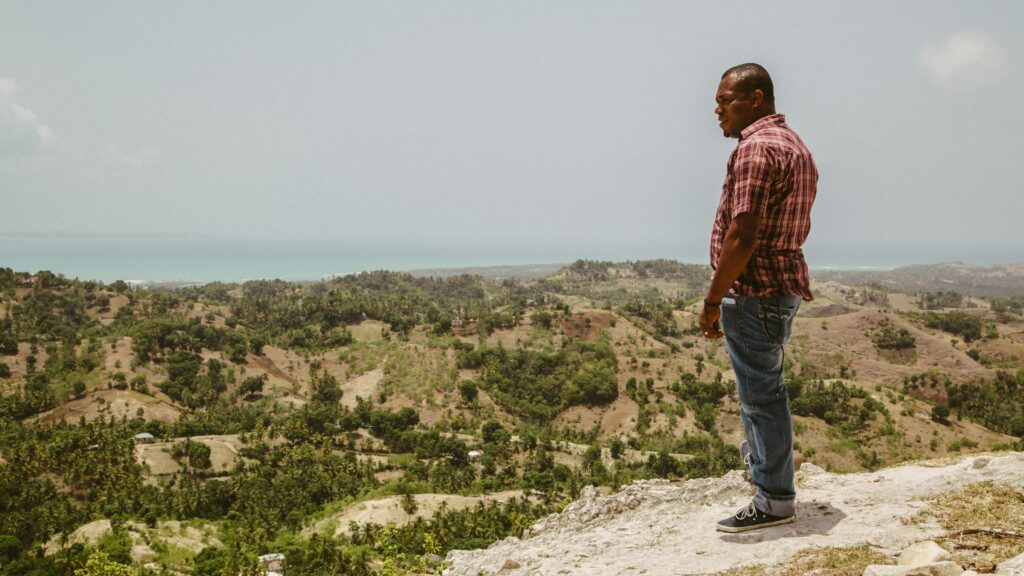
[735, 109]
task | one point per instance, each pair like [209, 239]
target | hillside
[282, 412]
[989, 281]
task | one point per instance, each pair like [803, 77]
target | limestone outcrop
[656, 528]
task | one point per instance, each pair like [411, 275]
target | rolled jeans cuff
[775, 505]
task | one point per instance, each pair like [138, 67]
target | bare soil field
[364, 386]
[369, 331]
[116, 403]
[106, 317]
[385, 510]
[157, 455]
[170, 532]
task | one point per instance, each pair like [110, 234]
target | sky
[516, 130]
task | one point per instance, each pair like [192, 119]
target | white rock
[808, 469]
[894, 540]
[1012, 567]
[656, 529]
[936, 569]
[922, 553]
[969, 573]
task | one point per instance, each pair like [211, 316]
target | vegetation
[539, 385]
[849, 561]
[939, 300]
[997, 404]
[262, 439]
[1008, 308]
[968, 326]
[848, 408]
[889, 337]
[979, 505]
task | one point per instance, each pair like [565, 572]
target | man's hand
[737, 248]
[709, 322]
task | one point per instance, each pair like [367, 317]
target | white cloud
[964, 61]
[21, 130]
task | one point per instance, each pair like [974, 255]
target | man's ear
[756, 98]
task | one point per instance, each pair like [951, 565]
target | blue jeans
[755, 331]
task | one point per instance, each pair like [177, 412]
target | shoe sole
[734, 529]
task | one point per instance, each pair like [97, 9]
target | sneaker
[745, 455]
[750, 518]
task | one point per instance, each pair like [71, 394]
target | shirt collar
[770, 120]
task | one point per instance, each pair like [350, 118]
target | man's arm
[737, 248]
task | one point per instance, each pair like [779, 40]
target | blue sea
[162, 258]
[167, 259]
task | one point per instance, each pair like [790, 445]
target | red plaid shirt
[771, 174]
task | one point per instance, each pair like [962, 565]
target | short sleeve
[752, 172]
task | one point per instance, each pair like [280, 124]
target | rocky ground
[661, 528]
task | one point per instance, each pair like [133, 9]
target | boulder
[808, 469]
[922, 553]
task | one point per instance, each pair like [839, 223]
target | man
[760, 277]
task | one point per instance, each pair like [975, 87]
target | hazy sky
[554, 129]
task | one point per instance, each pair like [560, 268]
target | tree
[494, 433]
[468, 390]
[8, 345]
[940, 412]
[10, 548]
[592, 454]
[617, 448]
[253, 385]
[409, 504]
[663, 464]
[119, 380]
[326, 388]
[209, 562]
[99, 564]
[199, 455]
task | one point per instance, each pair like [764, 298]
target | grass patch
[418, 373]
[365, 356]
[849, 561]
[984, 505]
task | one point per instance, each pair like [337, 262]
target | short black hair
[752, 77]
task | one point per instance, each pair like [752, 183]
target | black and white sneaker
[750, 518]
[745, 455]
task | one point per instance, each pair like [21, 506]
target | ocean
[158, 258]
[163, 259]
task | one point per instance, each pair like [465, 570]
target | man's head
[745, 95]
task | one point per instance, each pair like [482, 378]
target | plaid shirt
[771, 174]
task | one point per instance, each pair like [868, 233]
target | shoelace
[748, 512]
